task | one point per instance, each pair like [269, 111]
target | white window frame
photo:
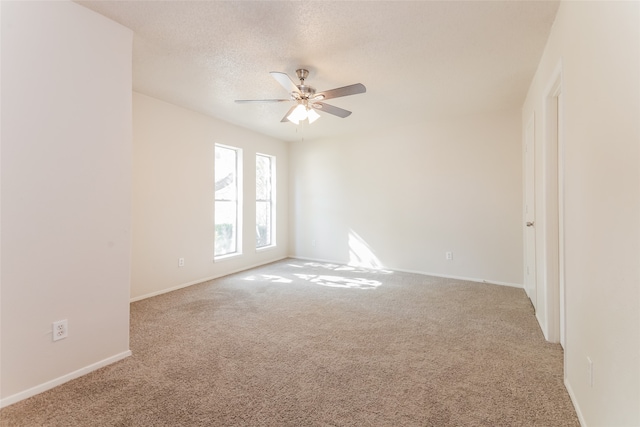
[239, 205]
[271, 200]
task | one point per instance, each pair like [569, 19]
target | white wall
[173, 204]
[402, 197]
[66, 193]
[598, 44]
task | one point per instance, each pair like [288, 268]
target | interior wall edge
[66, 193]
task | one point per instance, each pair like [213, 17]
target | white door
[529, 212]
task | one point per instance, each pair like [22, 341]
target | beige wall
[398, 198]
[66, 193]
[173, 190]
[403, 196]
[598, 47]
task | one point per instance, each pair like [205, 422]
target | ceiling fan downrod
[307, 92]
[302, 74]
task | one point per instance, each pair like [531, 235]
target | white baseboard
[567, 385]
[63, 379]
[542, 324]
[204, 279]
[425, 273]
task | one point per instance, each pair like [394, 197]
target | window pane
[263, 224]
[228, 204]
[226, 226]
[263, 177]
[265, 215]
[225, 173]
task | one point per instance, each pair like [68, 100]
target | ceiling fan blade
[245, 101]
[341, 91]
[336, 111]
[285, 81]
[284, 119]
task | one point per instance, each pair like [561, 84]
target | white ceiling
[417, 59]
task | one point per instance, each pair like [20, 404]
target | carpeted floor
[296, 343]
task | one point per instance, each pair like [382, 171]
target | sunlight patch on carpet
[268, 278]
[347, 268]
[340, 282]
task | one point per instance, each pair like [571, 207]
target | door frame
[552, 205]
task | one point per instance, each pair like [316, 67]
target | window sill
[227, 256]
[266, 248]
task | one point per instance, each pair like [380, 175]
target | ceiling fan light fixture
[298, 114]
[312, 115]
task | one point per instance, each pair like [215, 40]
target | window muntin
[227, 200]
[265, 201]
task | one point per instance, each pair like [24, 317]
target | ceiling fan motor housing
[302, 74]
[307, 91]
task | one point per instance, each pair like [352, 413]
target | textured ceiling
[417, 59]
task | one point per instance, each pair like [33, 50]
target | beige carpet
[304, 344]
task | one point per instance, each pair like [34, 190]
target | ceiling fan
[307, 101]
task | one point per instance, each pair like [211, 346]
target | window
[227, 200]
[265, 200]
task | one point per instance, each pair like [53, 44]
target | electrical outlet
[180, 262]
[60, 329]
[313, 243]
[590, 371]
[448, 255]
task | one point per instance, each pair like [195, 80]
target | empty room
[320, 213]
